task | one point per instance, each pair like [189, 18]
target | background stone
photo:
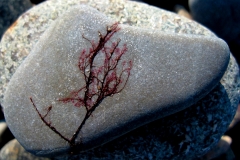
[221, 148]
[3, 128]
[5, 134]
[180, 10]
[14, 151]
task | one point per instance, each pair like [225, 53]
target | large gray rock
[185, 135]
[169, 73]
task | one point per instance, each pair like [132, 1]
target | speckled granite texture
[185, 135]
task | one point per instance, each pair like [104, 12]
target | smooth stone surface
[50, 72]
[14, 151]
[222, 17]
[159, 140]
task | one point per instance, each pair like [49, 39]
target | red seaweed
[102, 79]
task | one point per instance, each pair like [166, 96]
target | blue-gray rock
[157, 74]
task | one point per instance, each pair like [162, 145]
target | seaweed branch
[103, 77]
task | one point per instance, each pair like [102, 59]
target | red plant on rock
[103, 77]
